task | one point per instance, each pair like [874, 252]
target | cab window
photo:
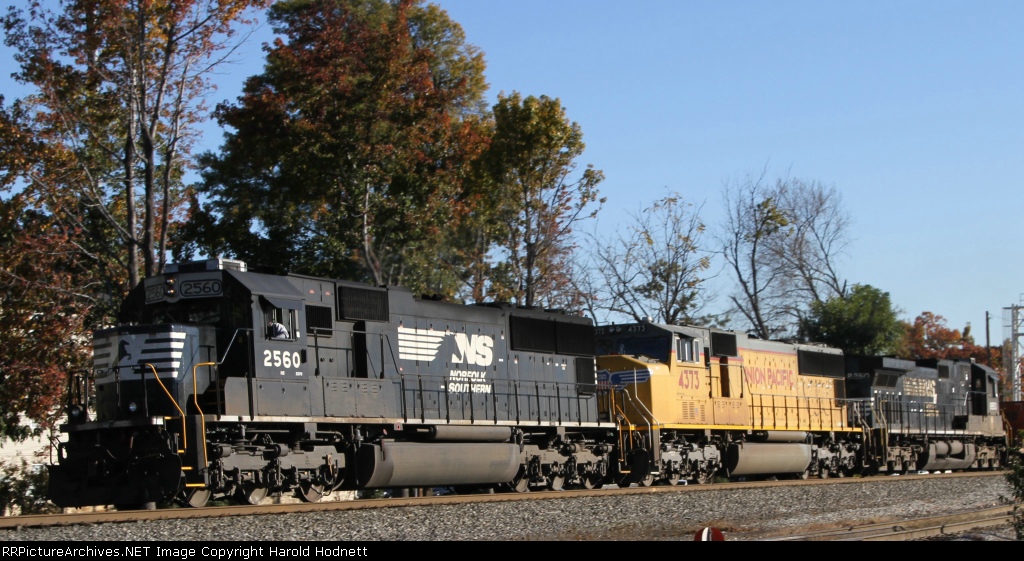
[687, 349]
[280, 321]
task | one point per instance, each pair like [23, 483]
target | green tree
[864, 322]
[1015, 478]
[531, 163]
[347, 155]
[23, 489]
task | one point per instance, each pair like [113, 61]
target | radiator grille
[366, 304]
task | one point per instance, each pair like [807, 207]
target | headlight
[132, 406]
[75, 411]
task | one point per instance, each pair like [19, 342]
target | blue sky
[913, 110]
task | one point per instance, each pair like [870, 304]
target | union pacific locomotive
[707, 402]
[223, 382]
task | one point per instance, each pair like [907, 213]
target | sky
[912, 110]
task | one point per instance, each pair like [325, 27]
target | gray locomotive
[928, 415]
[224, 382]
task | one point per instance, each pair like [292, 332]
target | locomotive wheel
[521, 483]
[673, 479]
[310, 492]
[592, 481]
[704, 478]
[823, 473]
[196, 498]
[250, 494]
[556, 482]
[646, 481]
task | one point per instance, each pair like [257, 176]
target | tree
[348, 153]
[806, 251]
[23, 490]
[43, 313]
[657, 268]
[119, 88]
[1015, 479]
[864, 322]
[781, 242]
[928, 337]
[753, 216]
[531, 164]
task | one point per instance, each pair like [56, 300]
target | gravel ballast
[742, 514]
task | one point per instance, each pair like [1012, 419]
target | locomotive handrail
[78, 387]
[883, 420]
[231, 343]
[184, 436]
[202, 416]
[822, 404]
[650, 429]
[416, 387]
[636, 394]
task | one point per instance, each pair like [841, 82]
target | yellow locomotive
[693, 403]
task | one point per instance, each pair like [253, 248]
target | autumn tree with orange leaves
[43, 315]
[118, 91]
[91, 175]
[928, 337]
[347, 156]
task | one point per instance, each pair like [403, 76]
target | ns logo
[473, 349]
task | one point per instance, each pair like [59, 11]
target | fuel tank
[747, 458]
[943, 455]
[423, 464]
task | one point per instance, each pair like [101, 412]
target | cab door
[283, 375]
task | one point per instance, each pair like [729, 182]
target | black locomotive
[365, 387]
[225, 382]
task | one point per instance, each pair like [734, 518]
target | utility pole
[988, 343]
[1014, 367]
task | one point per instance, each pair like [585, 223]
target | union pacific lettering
[762, 376]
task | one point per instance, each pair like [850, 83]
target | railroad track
[911, 529]
[99, 517]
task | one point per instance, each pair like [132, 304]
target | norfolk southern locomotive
[196, 397]
[370, 387]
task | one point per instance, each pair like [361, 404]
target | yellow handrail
[184, 435]
[202, 417]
